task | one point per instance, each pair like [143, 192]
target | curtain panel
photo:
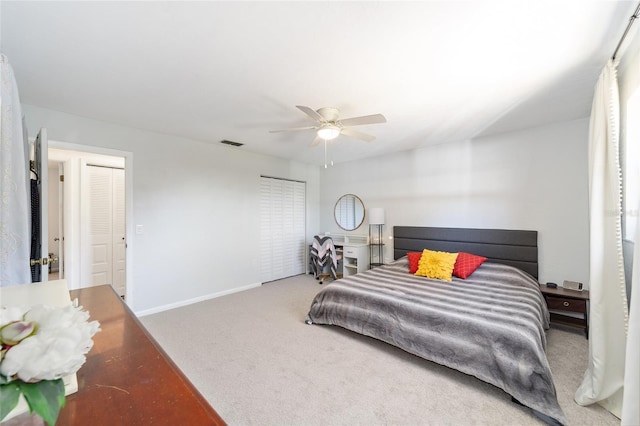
[603, 380]
[631, 405]
[631, 397]
[15, 235]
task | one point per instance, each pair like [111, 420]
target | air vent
[232, 143]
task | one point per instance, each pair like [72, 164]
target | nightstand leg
[586, 325]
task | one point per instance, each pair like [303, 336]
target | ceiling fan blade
[292, 129]
[311, 113]
[358, 135]
[365, 119]
[316, 141]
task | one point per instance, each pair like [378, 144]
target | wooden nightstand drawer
[570, 307]
[562, 304]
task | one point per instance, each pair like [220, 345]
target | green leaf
[9, 395]
[45, 398]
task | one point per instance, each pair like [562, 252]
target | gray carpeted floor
[256, 361]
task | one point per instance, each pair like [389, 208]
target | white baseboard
[194, 300]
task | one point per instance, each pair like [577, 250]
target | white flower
[10, 314]
[58, 348]
[12, 333]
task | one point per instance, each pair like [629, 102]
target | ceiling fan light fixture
[328, 132]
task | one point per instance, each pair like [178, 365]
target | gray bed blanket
[491, 325]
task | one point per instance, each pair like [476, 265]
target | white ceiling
[439, 71]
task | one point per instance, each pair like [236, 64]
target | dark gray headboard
[511, 247]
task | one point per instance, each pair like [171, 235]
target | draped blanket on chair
[323, 253]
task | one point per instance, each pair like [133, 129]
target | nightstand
[561, 301]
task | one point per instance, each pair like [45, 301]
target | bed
[490, 325]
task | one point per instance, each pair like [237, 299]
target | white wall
[198, 204]
[534, 179]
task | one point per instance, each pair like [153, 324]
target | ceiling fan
[329, 126]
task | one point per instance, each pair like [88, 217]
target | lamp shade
[376, 216]
[328, 132]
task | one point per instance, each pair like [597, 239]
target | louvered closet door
[282, 228]
[100, 224]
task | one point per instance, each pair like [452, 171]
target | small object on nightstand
[552, 285]
[572, 285]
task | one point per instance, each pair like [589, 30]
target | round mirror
[349, 212]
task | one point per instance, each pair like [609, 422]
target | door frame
[40, 158]
[61, 259]
[128, 171]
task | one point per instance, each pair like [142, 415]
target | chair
[324, 255]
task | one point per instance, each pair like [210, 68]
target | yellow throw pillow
[436, 264]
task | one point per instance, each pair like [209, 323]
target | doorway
[79, 211]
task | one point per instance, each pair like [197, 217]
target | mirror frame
[335, 211]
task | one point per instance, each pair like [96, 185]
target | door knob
[43, 261]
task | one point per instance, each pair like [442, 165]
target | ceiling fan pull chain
[325, 153]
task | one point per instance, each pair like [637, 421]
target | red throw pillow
[414, 259]
[466, 264]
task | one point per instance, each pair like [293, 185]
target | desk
[355, 259]
[352, 259]
[128, 379]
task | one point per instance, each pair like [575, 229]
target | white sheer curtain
[15, 234]
[603, 380]
[631, 400]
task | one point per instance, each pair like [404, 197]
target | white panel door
[119, 233]
[282, 228]
[100, 225]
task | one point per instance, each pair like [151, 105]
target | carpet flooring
[255, 360]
